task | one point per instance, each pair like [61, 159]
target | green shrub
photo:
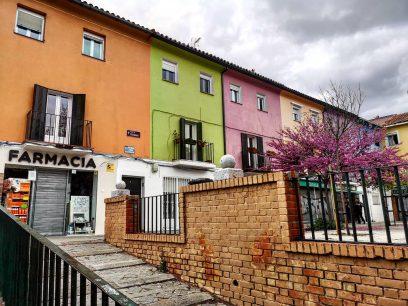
[319, 225]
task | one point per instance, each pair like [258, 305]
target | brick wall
[238, 243]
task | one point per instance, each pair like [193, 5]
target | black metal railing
[157, 215]
[190, 149]
[365, 205]
[34, 271]
[58, 129]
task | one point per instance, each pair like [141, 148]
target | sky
[302, 44]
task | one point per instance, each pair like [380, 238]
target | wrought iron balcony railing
[58, 129]
[195, 150]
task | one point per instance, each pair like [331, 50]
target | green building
[186, 105]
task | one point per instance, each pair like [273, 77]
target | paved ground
[139, 281]
[379, 233]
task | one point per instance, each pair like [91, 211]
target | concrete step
[89, 249]
[68, 240]
[134, 276]
[109, 261]
[167, 293]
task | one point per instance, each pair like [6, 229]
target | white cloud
[303, 44]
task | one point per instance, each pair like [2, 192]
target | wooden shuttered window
[189, 141]
[244, 146]
[37, 125]
[77, 122]
[37, 122]
[182, 138]
[252, 160]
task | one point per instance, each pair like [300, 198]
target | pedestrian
[358, 213]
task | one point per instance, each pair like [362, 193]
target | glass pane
[63, 118]
[187, 131]
[87, 46]
[35, 35]
[97, 50]
[51, 104]
[22, 30]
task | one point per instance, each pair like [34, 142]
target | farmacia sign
[40, 158]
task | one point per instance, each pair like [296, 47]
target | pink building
[252, 118]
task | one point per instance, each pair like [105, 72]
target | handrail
[91, 276]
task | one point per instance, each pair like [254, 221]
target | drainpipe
[223, 110]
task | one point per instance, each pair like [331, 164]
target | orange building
[74, 82]
[93, 74]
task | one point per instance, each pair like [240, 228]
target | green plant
[319, 224]
[163, 265]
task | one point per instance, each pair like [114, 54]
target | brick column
[119, 218]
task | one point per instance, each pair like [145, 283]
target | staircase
[139, 281]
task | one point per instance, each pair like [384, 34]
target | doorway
[134, 184]
[81, 215]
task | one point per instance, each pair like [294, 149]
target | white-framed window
[392, 139]
[314, 116]
[29, 24]
[296, 112]
[206, 83]
[261, 102]
[169, 71]
[235, 93]
[93, 45]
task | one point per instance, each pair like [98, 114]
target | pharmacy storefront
[56, 191]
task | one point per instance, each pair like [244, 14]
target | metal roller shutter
[50, 202]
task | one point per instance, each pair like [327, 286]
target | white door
[58, 118]
[170, 210]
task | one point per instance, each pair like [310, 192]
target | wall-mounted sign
[129, 150]
[50, 159]
[110, 167]
[32, 175]
[131, 133]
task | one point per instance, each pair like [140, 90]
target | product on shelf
[17, 197]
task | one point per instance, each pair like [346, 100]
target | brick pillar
[119, 218]
[288, 207]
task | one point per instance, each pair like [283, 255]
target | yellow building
[397, 130]
[295, 108]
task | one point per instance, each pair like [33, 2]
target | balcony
[193, 153]
[59, 130]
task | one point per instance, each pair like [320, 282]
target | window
[314, 116]
[169, 71]
[29, 24]
[235, 92]
[93, 45]
[206, 84]
[261, 102]
[392, 139]
[252, 152]
[296, 111]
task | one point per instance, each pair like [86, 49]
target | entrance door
[134, 184]
[58, 118]
[49, 209]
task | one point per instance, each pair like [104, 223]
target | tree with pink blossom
[339, 141]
